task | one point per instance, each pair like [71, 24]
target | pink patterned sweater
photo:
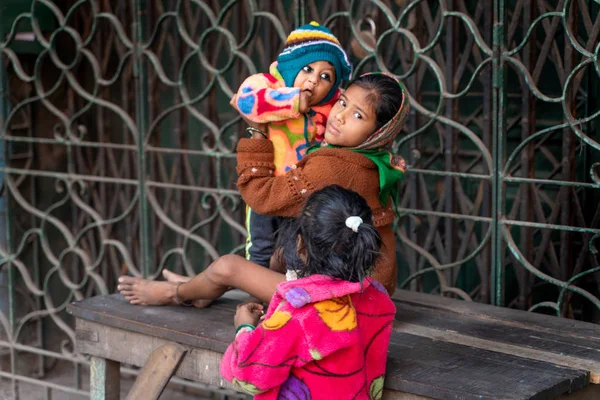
[321, 339]
[264, 98]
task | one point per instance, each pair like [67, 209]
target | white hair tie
[354, 222]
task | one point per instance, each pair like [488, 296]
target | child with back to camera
[325, 334]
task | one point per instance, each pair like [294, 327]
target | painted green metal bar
[141, 10]
[450, 138]
[299, 12]
[499, 110]
[488, 133]
[6, 277]
[7, 274]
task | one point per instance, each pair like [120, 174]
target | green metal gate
[117, 150]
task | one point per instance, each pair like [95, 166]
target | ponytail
[365, 252]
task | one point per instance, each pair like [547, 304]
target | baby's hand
[304, 102]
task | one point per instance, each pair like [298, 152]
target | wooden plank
[105, 379]
[418, 366]
[393, 395]
[199, 365]
[443, 370]
[551, 346]
[189, 326]
[527, 336]
[157, 372]
[210, 328]
[511, 317]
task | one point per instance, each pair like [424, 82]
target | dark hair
[385, 95]
[329, 246]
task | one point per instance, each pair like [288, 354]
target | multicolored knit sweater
[264, 98]
[321, 339]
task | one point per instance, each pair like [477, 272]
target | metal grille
[117, 149]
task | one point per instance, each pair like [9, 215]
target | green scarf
[389, 176]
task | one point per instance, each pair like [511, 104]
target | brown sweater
[285, 195]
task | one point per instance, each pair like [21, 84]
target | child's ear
[301, 249]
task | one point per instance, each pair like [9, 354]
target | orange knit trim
[311, 35]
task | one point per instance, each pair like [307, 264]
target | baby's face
[315, 80]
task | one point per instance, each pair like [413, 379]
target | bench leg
[157, 372]
[105, 379]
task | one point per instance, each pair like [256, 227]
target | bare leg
[223, 274]
[176, 278]
[274, 265]
[232, 271]
[173, 277]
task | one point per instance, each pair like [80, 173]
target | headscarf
[384, 136]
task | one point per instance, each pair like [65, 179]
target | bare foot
[147, 293]
[173, 277]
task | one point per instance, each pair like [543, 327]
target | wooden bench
[440, 348]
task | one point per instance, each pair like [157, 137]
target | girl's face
[351, 120]
[315, 80]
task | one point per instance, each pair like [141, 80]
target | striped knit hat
[310, 43]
